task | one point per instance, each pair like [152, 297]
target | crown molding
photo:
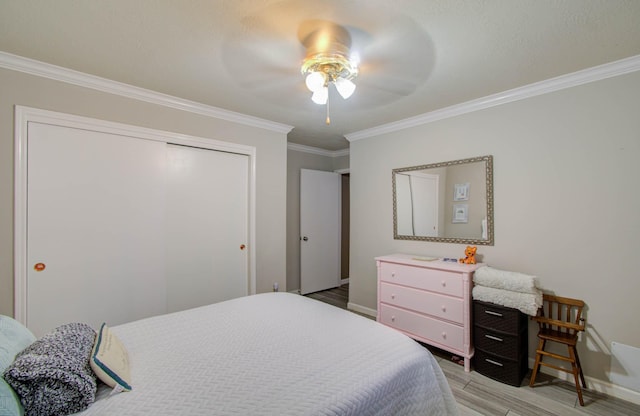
[597, 73]
[317, 151]
[69, 76]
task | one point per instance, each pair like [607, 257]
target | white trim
[362, 309]
[317, 151]
[342, 152]
[42, 69]
[344, 281]
[57, 73]
[20, 217]
[25, 115]
[594, 384]
[342, 171]
[597, 73]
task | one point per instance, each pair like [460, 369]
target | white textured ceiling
[244, 55]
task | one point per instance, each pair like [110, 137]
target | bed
[273, 354]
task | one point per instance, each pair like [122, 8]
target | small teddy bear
[470, 253]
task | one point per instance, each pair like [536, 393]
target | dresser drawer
[512, 347]
[498, 317]
[437, 305]
[507, 371]
[449, 335]
[441, 281]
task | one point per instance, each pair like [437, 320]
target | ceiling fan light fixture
[329, 61]
[315, 81]
[345, 87]
[320, 96]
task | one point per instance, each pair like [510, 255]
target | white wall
[567, 205]
[271, 159]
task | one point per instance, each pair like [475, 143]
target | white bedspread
[274, 354]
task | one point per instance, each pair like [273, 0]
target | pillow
[9, 401]
[14, 337]
[52, 376]
[110, 360]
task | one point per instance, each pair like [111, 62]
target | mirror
[448, 202]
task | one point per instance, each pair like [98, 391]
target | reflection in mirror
[448, 202]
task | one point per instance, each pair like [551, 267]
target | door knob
[305, 238]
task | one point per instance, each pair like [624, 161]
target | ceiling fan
[334, 50]
[329, 62]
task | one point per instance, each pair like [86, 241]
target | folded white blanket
[528, 303]
[502, 279]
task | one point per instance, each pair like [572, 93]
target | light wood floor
[480, 395]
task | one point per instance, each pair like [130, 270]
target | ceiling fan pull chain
[328, 121]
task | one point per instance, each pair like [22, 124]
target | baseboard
[362, 309]
[344, 281]
[594, 384]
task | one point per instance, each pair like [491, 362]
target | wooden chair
[560, 321]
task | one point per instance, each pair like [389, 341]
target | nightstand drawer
[441, 306]
[498, 317]
[441, 281]
[432, 329]
[508, 346]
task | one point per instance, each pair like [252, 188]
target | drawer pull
[444, 308]
[393, 274]
[393, 296]
[493, 338]
[493, 313]
[444, 284]
[393, 318]
[493, 362]
[444, 335]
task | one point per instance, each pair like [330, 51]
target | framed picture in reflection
[461, 192]
[460, 213]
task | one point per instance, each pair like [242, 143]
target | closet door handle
[493, 313]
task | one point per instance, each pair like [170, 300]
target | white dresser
[430, 301]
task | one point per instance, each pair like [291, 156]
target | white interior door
[417, 204]
[320, 219]
[207, 226]
[404, 205]
[95, 250]
[424, 189]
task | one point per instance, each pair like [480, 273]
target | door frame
[24, 115]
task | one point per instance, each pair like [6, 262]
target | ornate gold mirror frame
[464, 211]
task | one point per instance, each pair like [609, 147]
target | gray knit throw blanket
[52, 376]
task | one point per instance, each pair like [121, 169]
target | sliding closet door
[207, 226]
[95, 248]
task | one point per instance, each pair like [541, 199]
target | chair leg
[577, 372]
[536, 365]
[584, 384]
